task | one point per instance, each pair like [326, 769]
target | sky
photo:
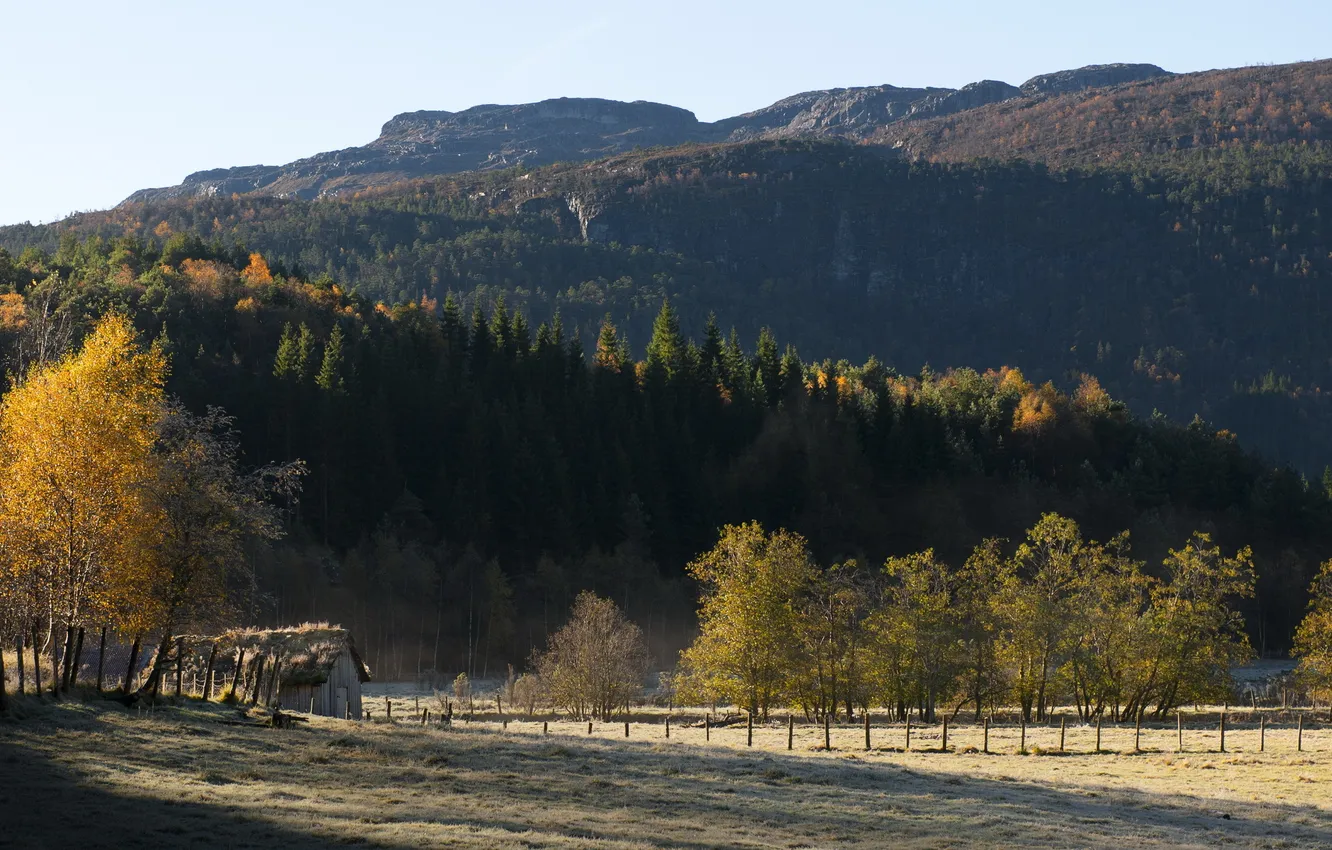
[103, 97]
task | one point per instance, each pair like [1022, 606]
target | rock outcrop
[1091, 77]
[428, 143]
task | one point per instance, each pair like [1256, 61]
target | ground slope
[84, 776]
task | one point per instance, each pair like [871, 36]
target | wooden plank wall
[341, 675]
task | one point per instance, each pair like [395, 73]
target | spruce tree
[666, 349]
[768, 367]
[285, 364]
[329, 378]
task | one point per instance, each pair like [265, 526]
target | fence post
[1063, 728]
[867, 731]
[626, 728]
[1137, 732]
[790, 731]
[707, 727]
[589, 727]
[101, 659]
[1262, 734]
[1299, 742]
[985, 741]
[749, 729]
[312, 699]
[944, 747]
[388, 704]
[1022, 741]
[545, 728]
[1223, 731]
[1098, 733]
[908, 732]
[208, 676]
[827, 731]
[668, 727]
[235, 675]
[1179, 730]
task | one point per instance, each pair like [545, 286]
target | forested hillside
[1197, 292]
[1238, 108]
[468, 473]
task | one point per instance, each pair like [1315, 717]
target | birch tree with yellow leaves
[76, 445]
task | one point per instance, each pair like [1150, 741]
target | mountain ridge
[492, 136]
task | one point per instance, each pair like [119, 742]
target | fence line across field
[1209, 733]
[1200, 732]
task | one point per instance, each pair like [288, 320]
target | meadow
[94, 774]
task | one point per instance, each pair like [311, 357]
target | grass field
[78, 775]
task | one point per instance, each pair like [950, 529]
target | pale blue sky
[104, 97]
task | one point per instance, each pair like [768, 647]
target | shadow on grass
[45, 804]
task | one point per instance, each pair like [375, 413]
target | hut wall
[342, 674]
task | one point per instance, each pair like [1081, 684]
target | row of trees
[117, 505]
[1061, 620]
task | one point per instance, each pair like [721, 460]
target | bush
[596, 663]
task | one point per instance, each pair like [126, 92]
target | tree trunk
[63, 675]
[208, 675]
[180, 663]
[235, 675]
[55, 666]
[101, 660]
[36, 662]
[154, 683]
[273, 685]
[23, 685]
[4, 695]
[78, 660]
[133, 659]
[258, 680]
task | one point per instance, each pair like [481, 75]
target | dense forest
[468, 474]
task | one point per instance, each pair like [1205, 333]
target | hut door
[341, 703]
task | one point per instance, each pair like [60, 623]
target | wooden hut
[311, 667]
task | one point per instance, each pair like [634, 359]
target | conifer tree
[666, 348]
[609, 351]
[330, 378]
[767, 367]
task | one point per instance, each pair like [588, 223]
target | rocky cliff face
[857, 112]
[1091, 77]
[423, 144]
[418, 144]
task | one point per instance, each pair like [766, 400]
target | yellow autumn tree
[257, 272]
[76, 443]
[746, 652]
[1038, 410]
[1313, 639]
